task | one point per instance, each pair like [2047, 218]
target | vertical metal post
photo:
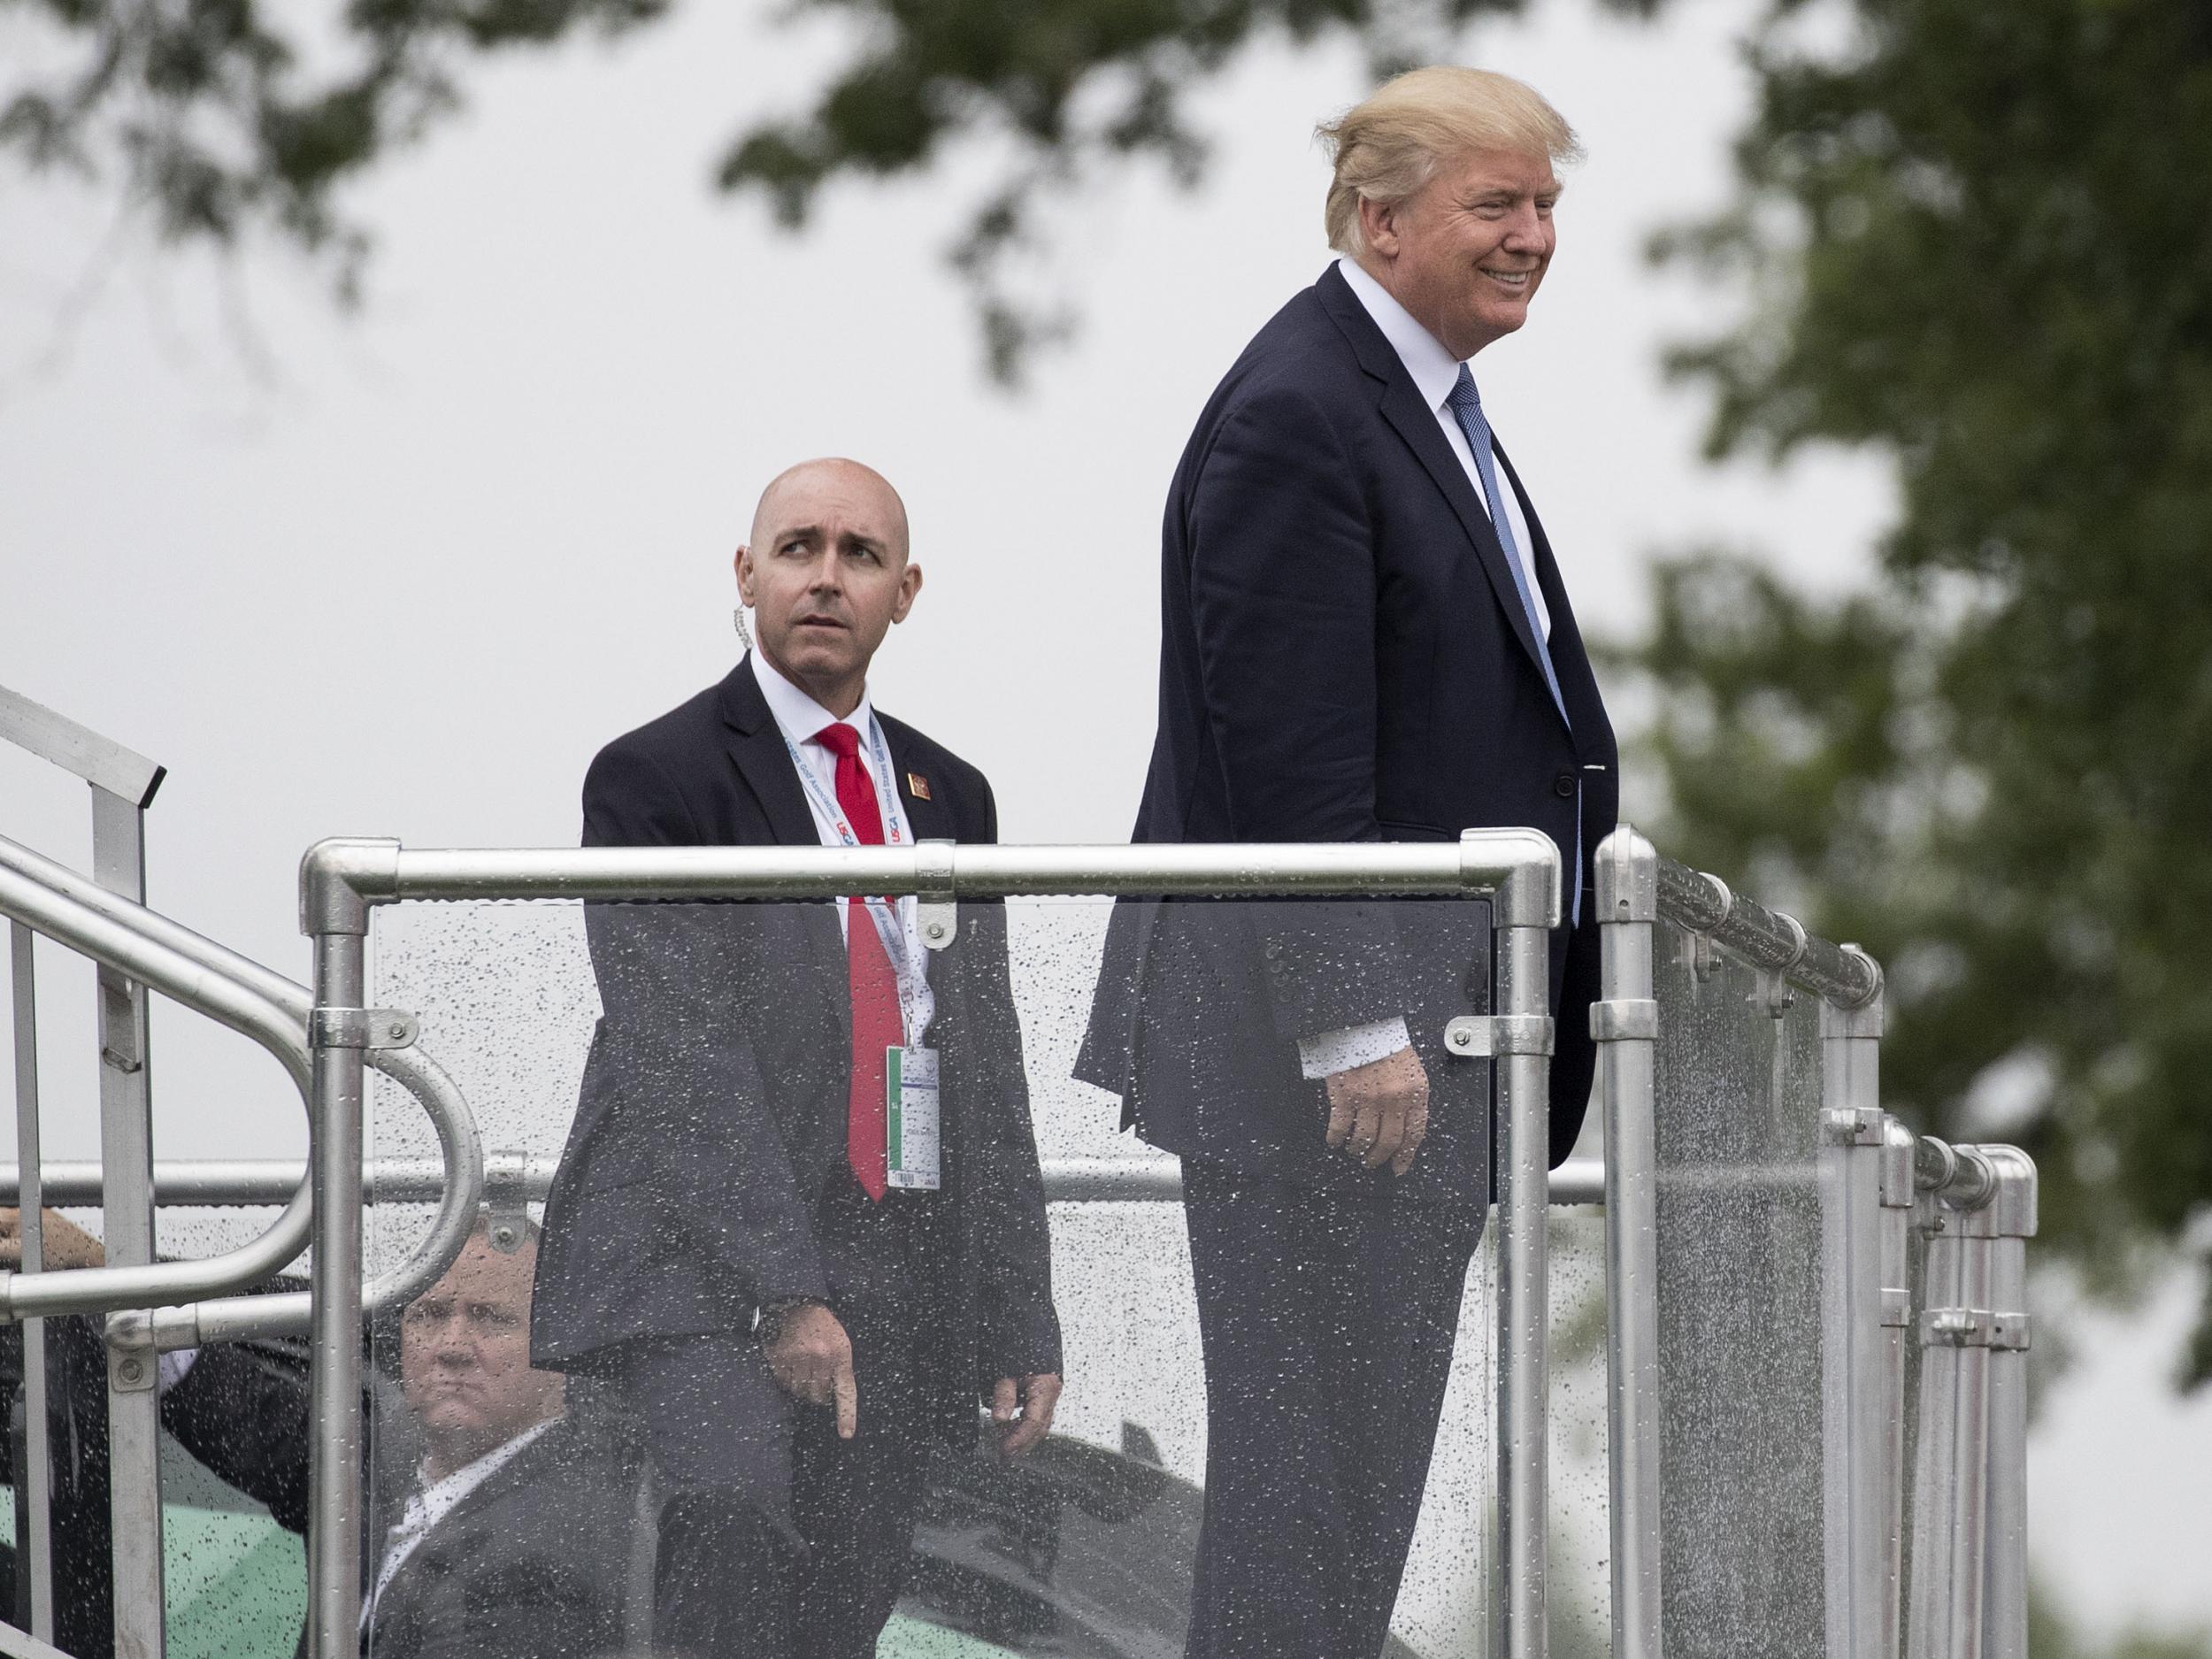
[1625, 1026]
[1961, 1329]
[35, 1546]
[1898, 1195]
[334, 916]
[2011, 1218]
[126, 1158]
[1522, 1055]
[1855, 1428]
[1970, 1534]
[1935, 1476]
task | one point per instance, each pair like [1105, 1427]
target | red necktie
[875, 986]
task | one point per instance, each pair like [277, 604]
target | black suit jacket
[538, 1562]
[714, 1102]
[1344, 657]
[534, 1564]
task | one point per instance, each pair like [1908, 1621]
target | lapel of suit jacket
[516, 1469]
[1401, 404]
[756, 748]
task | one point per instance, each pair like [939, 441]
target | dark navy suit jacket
[713, 1110]
[1344, 657]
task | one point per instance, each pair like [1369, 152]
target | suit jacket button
[1564, 785]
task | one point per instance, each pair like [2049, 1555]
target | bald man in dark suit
[800, 1308]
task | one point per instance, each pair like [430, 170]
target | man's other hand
[1022, 1407]
[68, 1244]
[1378, 1112]
[811, 1359]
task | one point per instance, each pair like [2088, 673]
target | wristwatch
[771, 1314]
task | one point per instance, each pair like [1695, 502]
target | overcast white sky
[402, 574]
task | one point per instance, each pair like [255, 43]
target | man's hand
[811, 1359]
[1022, 1408]
[1379, 1112]
[68, 1244]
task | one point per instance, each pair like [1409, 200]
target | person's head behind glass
[465, 1355]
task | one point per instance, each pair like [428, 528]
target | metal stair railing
[123, 784]
[155, 1305]
[198, 973]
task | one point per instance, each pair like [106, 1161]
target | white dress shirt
[801, 719]
[432, 1502]
[1434, 372]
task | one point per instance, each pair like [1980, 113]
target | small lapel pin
[917, 786]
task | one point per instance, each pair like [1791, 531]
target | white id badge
[911, 1120]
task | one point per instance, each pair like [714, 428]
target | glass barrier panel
[1738, 1114]
[687, 1069]
[1580, 1476]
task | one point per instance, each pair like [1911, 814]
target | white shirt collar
[440, 1496]
[797, 715]
[1434, 370]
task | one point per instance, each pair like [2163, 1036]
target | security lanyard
[879, 911]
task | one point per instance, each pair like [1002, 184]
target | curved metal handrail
[197, 972]
[462, 1191]
[204, 988]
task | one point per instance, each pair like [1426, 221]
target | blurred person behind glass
[501, 1526]
[240, 1409]
[503, 1522]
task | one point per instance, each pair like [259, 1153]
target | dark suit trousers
[1328, 1321]
[820, 1581]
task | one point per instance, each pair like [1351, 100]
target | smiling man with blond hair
[1365, 637]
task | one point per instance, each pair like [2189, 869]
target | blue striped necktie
[1466, 403]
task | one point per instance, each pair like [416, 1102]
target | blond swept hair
[1386, 148]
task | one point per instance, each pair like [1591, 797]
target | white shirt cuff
[170, 1368]
[1334, 1051]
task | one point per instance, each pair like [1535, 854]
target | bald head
[803, 491]
[827, 574]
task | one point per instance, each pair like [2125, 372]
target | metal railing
[1519, 870]
[1879, 1186]
[195, 972]
[519, 1178]
[152, 1305]
[123, 784]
